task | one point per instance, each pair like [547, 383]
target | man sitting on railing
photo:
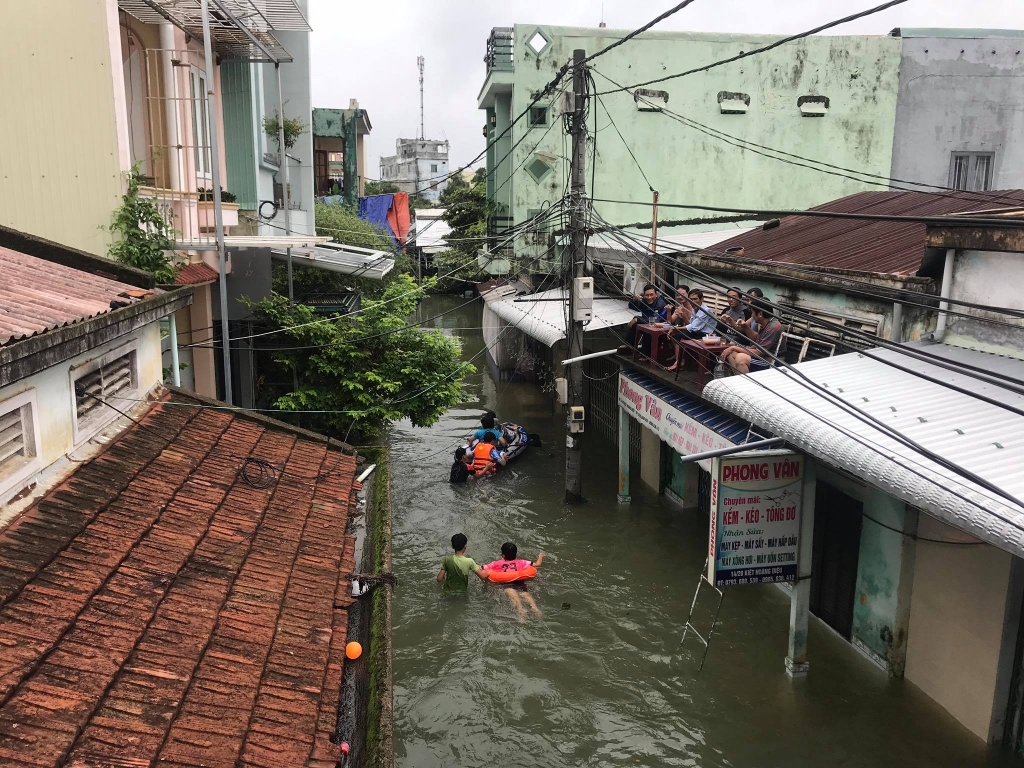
[754, 358]
[652, 309]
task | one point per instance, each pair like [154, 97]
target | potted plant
[293, 128]
[228, 207]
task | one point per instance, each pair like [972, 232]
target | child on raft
[516, 590]
[455, 569]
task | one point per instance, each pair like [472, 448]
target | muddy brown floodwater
[600, 680]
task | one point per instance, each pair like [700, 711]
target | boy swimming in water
[455, 569]
[460, 469]
[516, 590]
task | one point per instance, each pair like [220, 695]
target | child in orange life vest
[486, 458]
[516, 590]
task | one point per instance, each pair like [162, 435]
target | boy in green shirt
[455, 569]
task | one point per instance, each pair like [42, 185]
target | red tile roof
[881, 246]
[196, 274]
[156, 610]
[38, 295]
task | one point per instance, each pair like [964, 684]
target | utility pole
[577, 251]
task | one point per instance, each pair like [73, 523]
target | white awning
[345, 259]
[542, 315]
[603, 247]
[981, 437]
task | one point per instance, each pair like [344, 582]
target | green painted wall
[859, 75]
[240, 140]
[878, 574]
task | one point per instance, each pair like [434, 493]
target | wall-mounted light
[812, 106]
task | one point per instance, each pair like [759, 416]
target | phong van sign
[755, 517]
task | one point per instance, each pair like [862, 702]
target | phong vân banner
[755, 517]
[685, 434]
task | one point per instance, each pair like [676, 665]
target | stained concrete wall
[859, 75]
[956, 625]
[987, 277]
[650, 458]
[956, 95]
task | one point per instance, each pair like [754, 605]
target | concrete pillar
[623, 494]
[650, 459]
[904, 590]
[691, 482]
[203, 365]
[799, 607]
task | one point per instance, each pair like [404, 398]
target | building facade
[419, 167]
[339, 150]
[930, 106]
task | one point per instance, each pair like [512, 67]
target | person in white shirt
[702, 323]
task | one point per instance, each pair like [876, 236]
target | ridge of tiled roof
[196, 274]
[155, 609]
[892, 247]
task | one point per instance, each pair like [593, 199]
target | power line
[635, 32]
[763, 49]
[839, 171]
[529, 222]
[956, 220]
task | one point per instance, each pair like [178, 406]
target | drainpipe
[218, 212]
[284, 171]
[170, 105]
[175, 367]
[947, 282]
[896, 334]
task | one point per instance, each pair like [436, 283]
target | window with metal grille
[100, 382]
[538, 116]
[971, 171]
[19, 454]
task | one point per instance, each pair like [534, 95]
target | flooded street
[600, 680]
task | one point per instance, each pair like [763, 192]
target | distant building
[339, 150]
[419, 166]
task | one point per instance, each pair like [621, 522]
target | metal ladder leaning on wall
[689, 626]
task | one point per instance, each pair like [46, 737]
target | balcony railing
[500, 49]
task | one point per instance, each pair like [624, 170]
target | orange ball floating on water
[353, 650]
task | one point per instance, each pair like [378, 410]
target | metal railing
[500, 51]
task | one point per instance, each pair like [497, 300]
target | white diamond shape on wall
[537, 43]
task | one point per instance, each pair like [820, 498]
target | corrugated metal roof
[983, 438]
[344, 259]
[603, 247]
[37, 295]
[542, 315]
[881, 246]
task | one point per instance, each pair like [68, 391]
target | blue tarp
[375, 210]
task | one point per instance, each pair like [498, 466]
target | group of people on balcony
[747, 320]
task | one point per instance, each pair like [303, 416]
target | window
[538, 116]
[19, 440]
[433, 167]
[971, 171]
[200, 122]
[103, 380]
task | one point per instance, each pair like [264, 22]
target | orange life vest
[483, 464]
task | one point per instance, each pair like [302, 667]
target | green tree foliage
[466, 211]
[143, 238]
[372, 188]
[409, 372]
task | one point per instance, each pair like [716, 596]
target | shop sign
[755, 517]
[686, 435]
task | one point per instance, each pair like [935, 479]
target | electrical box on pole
[583, 299]
[577, 252]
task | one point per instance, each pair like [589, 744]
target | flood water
[600, 680]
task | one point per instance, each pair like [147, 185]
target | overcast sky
[368, 50]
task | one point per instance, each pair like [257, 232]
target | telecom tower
[419, 63]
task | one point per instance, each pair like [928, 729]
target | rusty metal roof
[38, 295]
[881, 246]
[157, 610]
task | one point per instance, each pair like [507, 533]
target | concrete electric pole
[581, 288]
